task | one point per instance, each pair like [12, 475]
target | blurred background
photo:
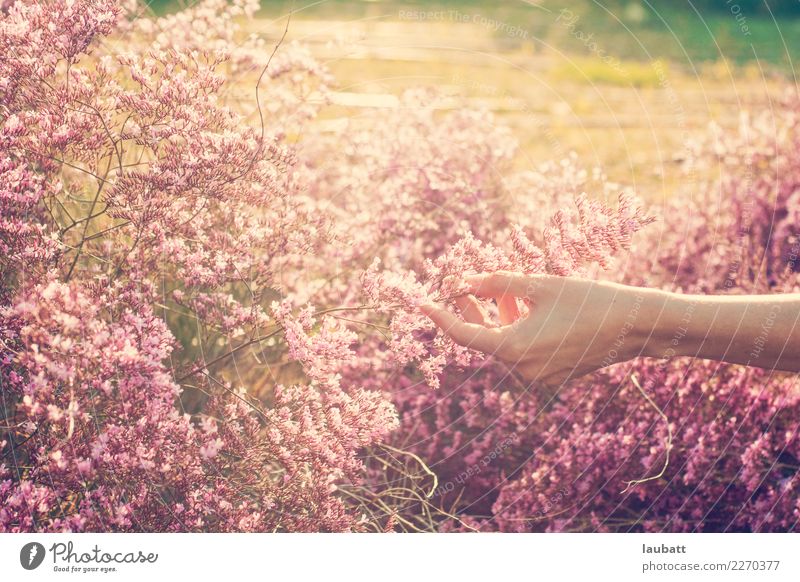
[625, 84]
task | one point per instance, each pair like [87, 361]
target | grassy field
[678, 30]
[623, 84]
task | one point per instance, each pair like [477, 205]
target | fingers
[472, 310]
[471, 335]
[508, 308]
[505, 283]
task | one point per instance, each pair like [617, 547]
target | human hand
[566, 328]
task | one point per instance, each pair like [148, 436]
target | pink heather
[225, 334]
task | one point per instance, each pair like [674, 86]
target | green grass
[642, 30]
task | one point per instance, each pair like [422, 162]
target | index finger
[471, 335]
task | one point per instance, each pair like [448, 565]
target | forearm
[756, 330]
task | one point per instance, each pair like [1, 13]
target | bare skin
[574, 326]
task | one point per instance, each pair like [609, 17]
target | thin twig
[227, 355]
[422, 464]
[669, 439]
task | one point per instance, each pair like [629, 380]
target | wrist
[664, 326]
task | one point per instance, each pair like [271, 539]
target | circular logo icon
[31, 555]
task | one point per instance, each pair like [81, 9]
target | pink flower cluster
[592, 233]
[140, 213]
[209, 303]
[578, 453]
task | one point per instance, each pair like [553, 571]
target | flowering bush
[725, 436]
[135, 198]
[209, 307]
